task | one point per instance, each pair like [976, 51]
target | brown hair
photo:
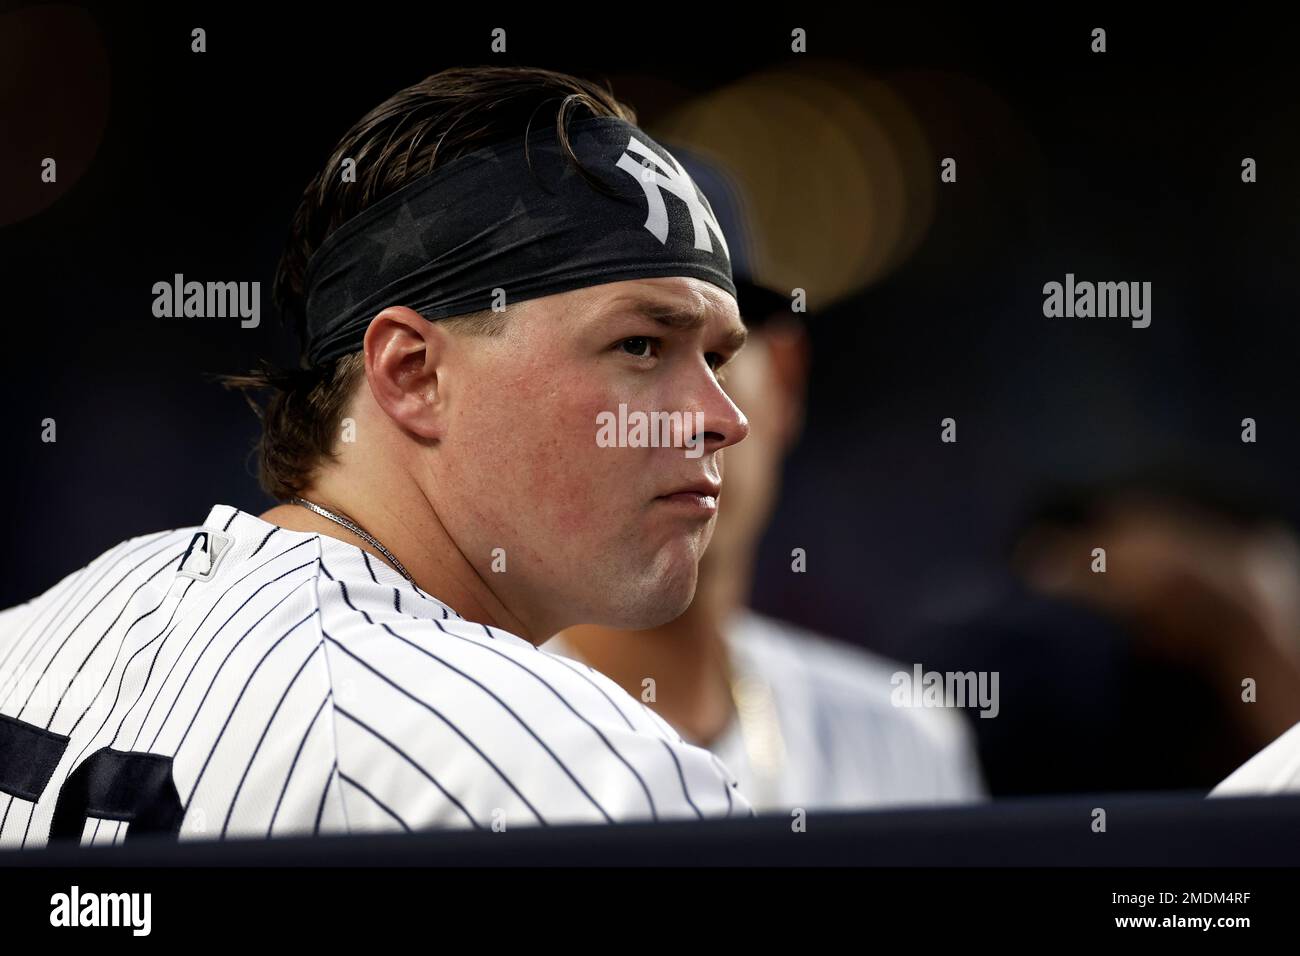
[403, 138]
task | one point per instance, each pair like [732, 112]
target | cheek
[534, 445]
[581, 486]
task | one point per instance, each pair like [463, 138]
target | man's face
[590, 534]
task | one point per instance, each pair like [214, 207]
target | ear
[789, 354]
[405, 365]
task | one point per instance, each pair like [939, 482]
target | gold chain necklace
[760, 730]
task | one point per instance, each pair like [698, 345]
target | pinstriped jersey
[238, 679]
[838, 742]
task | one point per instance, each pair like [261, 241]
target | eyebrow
[674, 317]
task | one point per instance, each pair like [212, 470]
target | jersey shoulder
[443, 721]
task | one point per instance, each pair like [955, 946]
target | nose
[723, 422]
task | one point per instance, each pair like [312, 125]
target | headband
[515, 216]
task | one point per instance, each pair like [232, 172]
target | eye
[639, 346]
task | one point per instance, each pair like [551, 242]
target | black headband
[528, 223]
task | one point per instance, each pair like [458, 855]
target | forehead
[676, 302]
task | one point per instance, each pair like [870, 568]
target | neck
[686, 658]
[411, 530]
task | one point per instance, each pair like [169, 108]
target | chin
[663, 598]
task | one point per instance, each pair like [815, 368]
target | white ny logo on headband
[672, 177]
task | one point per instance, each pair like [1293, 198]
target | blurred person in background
[1165, 670]
[801, 719]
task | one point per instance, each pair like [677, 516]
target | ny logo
[654, 174]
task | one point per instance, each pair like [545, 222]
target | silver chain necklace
[355, 529]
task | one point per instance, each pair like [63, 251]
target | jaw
[664, 590]
[641, 578]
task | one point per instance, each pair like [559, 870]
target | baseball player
[804, 721]
[489, 261]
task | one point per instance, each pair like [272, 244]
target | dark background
[1135, 175]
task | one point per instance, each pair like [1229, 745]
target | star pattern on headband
[404, 239]
[540, 222]
[540, 226]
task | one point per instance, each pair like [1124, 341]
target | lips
[702, 488]
[700, 498]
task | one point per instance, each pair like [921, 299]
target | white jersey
[242, 680]
[1275, 769]
[838, 742]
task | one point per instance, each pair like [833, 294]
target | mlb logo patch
[204, 552]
